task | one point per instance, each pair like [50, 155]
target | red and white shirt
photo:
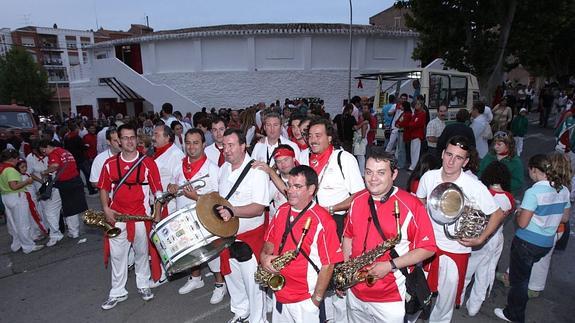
[321, 244]
[416, 232]
[133, 197]
[63, 158]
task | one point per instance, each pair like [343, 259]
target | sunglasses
[461, 145]
[500, 134]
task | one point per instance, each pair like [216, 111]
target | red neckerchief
[192, 168]
[318, 161]
[221, 159]
[159, 151]
[301, 146]
[3, 166]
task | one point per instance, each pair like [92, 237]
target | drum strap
[240, 179]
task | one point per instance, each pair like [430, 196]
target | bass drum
[183, 242]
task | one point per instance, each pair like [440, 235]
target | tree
[469, 35]
[22, 80]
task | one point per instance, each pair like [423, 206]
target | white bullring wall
[240, 70]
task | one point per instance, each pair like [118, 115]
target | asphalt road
[68, 282]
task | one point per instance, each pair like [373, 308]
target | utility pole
[350, 52]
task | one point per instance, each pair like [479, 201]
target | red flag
[359, 84]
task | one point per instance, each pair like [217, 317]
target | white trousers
[18, 219]
[119, 247]
[518, 145]
[359, 311]
[414, 151]
[50, 210]
[214, 265]
[304, 311]
[73, 224]
[482, 264]
[541, 269]
[246, 296]
[392, 140]
[336, 309]
[447, 291]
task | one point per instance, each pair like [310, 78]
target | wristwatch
[317, 298]
[393, 266]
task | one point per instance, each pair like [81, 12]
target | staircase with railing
[113, 71]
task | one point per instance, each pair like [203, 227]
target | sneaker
[499, 313]
[504, 278]
[73, 236]
[111, 302]
[191, 284]
[53, 241]
[532, 293]
[146, 293]
[472, 310]
[35, 248]
[154, 284]
[239, 319]
[220, 291]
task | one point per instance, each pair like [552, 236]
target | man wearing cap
[273, 127]
[285, 161]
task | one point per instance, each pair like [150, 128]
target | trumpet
[167, 196]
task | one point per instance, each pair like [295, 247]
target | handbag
[45, 191]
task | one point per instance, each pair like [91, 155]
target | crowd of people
[297, 180]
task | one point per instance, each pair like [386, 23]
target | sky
[174, 14]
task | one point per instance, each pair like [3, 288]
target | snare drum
[183, 242]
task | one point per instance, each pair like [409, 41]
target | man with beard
[339, 179]
[196, 165]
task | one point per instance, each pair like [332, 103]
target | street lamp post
[350, 52]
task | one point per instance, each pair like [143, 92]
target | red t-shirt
[63, 158]
[133, 197]
[320, 244]
[417, 233]
[90, 141]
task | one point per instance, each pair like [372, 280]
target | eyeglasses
[500, 134]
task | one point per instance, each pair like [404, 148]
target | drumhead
[198, 256]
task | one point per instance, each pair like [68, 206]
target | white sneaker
[154, 284]
[219, 293]
[472, 310]
[239, 319]
[191, 284]
[73, 236]
[111, 302]
[53, 241]
[35, 248]
[146, 293]
[499, 313]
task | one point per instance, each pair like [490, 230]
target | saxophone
[352, 271]
[277, 281]
[98, 219]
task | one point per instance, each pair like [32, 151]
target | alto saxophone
[277, 281]
[352, 271]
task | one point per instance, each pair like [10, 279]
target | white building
[5, 41]
[234, 66]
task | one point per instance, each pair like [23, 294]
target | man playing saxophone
[307, 275]
[130, 198]
[372, 220]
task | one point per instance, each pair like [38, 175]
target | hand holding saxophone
[266, 263]
[110, 214]
[378, 270]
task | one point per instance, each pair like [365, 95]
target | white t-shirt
[101, 143]
[263, 151]
[479, 127]
[97, 165]
[211, 182]
[36, 167]
[277, 198]
[333, 186]
[169, 120]
[253, 189]
[473, 189]
[304, 157]
[168, 161]
[213, 153]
